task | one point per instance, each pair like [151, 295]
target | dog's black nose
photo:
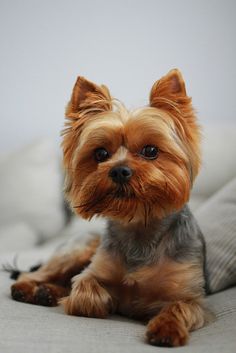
[120, 174]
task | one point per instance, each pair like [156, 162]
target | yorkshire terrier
[136, 169]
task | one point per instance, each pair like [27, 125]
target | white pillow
[17, 237]
[31, 189]
[218, 167]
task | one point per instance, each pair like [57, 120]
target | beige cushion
[26, 328]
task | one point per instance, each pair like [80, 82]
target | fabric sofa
[34, 221]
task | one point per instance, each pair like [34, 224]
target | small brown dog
[136, 168]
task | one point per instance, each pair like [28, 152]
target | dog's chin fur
[157, 187]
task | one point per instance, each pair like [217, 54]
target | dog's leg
[92, 291]
[52, 281]
[170, 328]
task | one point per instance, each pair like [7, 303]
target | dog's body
[136, 169]
[158, 263]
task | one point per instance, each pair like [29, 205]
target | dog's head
[130, 165]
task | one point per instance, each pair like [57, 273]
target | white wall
[126, 44]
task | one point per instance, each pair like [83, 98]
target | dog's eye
[150, 152]
[101, 154]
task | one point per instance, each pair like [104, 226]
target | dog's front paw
[46, 294]
[24, 291]
[166, 331]
[87, 298]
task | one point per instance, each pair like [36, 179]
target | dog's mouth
[124, 192]
[119, 201]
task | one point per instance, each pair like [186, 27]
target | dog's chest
[135, 246]
[155, 264]
[143, 292]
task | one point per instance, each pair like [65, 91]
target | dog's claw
[17, 295]
[44, 297]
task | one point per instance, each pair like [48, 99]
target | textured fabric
[26, 328]
[217, 219]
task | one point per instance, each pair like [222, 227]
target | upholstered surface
[26, 328]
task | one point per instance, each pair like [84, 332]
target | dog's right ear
[87, 99]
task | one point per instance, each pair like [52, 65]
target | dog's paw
[87, 298]
[46, 294]
[23, 291]
[166, 331]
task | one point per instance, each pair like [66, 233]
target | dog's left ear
[169, 92]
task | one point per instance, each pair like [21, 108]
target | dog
[135, 168]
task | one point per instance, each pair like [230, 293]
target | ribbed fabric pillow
[217, 219]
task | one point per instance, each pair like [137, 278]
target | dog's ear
[87, 99]
[169, 92]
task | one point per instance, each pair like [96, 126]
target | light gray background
[126, 44]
